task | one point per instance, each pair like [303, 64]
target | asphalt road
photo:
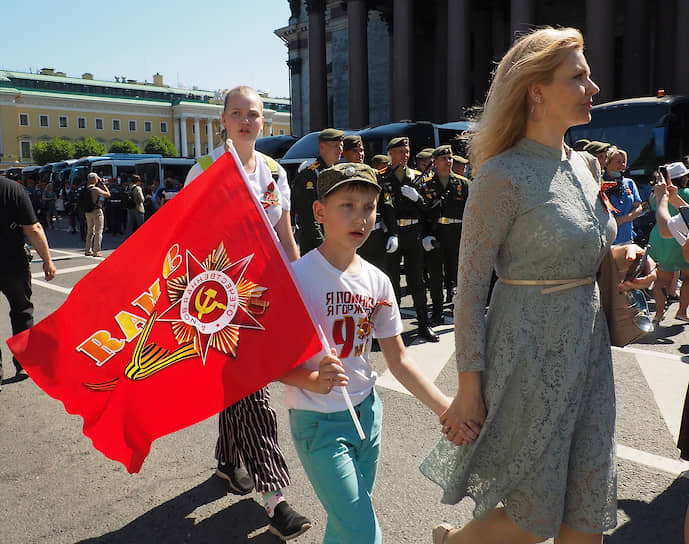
[56, 488]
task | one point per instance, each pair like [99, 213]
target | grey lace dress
[547, 448]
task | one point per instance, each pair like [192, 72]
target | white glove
[228, 143]
[427, 243]
[409, 192]
[392, 245]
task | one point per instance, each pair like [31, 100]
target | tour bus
[162, 168]
[48, 172]
[652, 130]
[119, 165]
[30, 172]
[82, 167]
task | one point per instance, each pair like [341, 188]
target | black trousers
[15, 284]
[443, 261]
[249, 434]
[373, 249]
[411, 250]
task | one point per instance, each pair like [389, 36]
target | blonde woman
[535, 373]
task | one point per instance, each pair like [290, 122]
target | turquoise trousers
[342, 467]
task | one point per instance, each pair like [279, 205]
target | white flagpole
[348, 401]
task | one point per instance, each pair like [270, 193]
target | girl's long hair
[532, 59]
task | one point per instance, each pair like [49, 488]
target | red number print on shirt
[343, 334]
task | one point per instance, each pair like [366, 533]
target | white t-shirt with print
[342, 303]
[274, 196]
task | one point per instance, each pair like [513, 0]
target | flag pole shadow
[171, 521]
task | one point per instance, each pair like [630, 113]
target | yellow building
[40, 107]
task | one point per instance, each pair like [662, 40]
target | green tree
[161, 145]
[124, 146]
[88, 146]
[55, 150]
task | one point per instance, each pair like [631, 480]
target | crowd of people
[115, 205]
[530, 433]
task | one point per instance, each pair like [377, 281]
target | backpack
[129, 199]
[86, 203]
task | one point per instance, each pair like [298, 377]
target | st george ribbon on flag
[196, 310]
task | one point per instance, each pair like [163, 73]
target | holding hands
[462, 421]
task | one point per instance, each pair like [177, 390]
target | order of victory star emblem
[213, 301]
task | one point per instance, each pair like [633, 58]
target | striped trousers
[248, 433]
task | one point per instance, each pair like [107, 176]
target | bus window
[103, 170]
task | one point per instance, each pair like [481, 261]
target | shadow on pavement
[170, 522]
[661, 520]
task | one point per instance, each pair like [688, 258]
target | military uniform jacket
[404, 208]
[303, 196]
[446, 201]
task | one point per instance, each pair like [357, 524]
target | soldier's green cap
[442, 150]
[330, 135]
[579, 145]
[460, 159]
[424, 154]
[352, 141]
[400, 141]
[596, 147]
[381, 158]
[345, 172]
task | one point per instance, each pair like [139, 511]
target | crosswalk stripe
[677, 467]
[68, 270]
[50, 286]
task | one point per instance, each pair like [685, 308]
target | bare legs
[662, 286]
[498, 528]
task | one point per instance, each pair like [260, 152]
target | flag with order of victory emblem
[196, 310]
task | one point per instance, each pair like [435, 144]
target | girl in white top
[248, 428]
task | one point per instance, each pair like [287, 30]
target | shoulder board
[205, 161]
[270, 161]
[428, 178]
[414, 172]
[315, 165]
[383, 170]
[305, 165]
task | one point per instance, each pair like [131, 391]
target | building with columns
[355, 63]
[40, 107]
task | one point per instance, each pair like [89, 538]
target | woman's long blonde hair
[532, 59]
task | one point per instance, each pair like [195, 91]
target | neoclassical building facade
[355, 63]
[39, 107]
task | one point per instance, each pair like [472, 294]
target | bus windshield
[637, 129]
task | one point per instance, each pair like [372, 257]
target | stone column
[209, 134]
[458, 75]
[197, 136]
[402, 47]
[268, 130]
[635, 50]
[682, 50]
[183, 136]
[175, 133]
[357, 37]
[522, 15]
[318, 83]
[600, 46]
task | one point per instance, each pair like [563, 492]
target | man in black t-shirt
[18, 219]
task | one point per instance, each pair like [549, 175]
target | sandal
[441, 532]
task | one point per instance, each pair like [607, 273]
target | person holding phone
[624, 195]
[670, 194]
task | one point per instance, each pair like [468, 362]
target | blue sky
[188, 42]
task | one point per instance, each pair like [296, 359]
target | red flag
[196, 310]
